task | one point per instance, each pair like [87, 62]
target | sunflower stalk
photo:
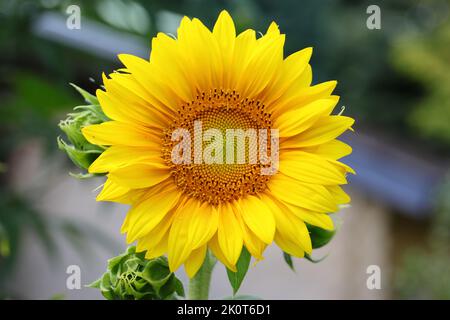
[199, 284]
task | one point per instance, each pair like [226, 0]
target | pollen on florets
[215, 183]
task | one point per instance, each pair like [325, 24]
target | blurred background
[395, 81]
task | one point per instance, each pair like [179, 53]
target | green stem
[199, 284]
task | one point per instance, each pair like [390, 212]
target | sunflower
[224, 81]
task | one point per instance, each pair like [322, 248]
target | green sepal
[91, 99]
[320, 237]
[236, 278]
[179, 288]
[80, 151]
[95, 284]
[310, 259]
[288, 259]
[81, 158]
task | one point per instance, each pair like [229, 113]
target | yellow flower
[220, 81]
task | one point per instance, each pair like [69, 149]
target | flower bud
[79, 150]
[130, 276]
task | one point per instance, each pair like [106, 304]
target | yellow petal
[310, 168]
[288, 246]
[323, 130]
[300, 94]
[245, 44]
[258, 217]
[203, 223]
[225, 34]
[333, 149]
[119, 156]
[224, 30]
[229, 233]
[121, 104]
[218, 253]
[298, 120]
[253, 244]
[290, 226]
[342, 166]
[140, 90]
[179, 247]
[136, 196]
[293, 66]
[321, 220]
[204, 66]
[169, 64]
[339, 194]
[310, 196]
[147, 76]
[146, 215]
[158, 249]
[156, 235]
[141, 175]
[195, 261]
[113, 192]
[193, 226]
[265, 61]
[114, 132]
[273, 28]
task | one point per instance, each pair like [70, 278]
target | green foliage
[242, 265]
[130, 276]
[288, 259]
[424, 273]
[80, 151]
[319, 238]
[29, 108]
[425, 58]
[35, 96]
[17, 218]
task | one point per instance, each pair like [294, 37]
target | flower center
[222, 157]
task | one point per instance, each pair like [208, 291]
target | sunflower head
[218, 141]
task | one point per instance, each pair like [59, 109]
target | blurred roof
[93, 37]
[390, 171]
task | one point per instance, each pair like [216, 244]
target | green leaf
[319, 236]
[86, 95]
[157, 274]
[81, 158]
[242, 264]
[95, 284]
[310, 259]
[95, 110]
[113, 263]
[179, 289]
[288, 259]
